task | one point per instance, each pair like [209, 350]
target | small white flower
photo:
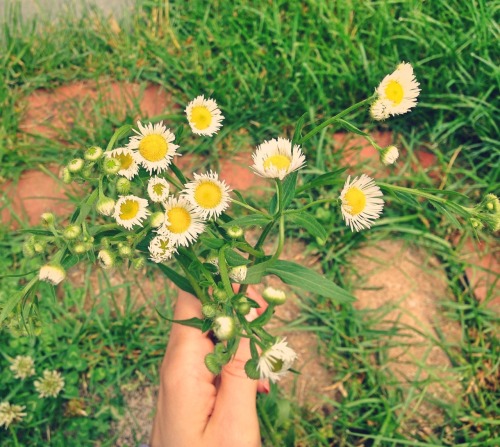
[204, 116]
[50, 385]
[52, 273]
[75, 165]
[10, 413]
[153, 147]
[22, 366]
[224, 327]
[239, 273]
[277, 159]
[128, 164]
[208, 194]
[158, 189]
[361, 202]
[389, 155]
[397, 93]
[130, 211]
[161, 249]
[183, 224]
[274, 296]
[106, 259]
[275, 362]
[105, 206]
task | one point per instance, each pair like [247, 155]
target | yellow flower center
[153, 147]
[208, 195]
[394, 92]
[201, 117]
[129, 209]
[277, 161]
[179, 219]
[277, 365]
[356, 199]
[158, 189]
[125, 160]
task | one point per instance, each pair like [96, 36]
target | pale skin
[196, 408]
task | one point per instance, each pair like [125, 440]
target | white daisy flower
[23, 366]
[158, 189]
[50, 385]
[277, 159]
[161, 249]
[389, 155]
[208, 194]
[361, 202]
[182, 223]
[275, 362]
[128, 164]
[204, 116]
[153, 147]
[10, 413]
[52, 273]
[130, 211]
[397, 92]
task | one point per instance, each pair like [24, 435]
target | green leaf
[444, 192]
[177, 279]
[289, 185]
[306, 279]
[36, 232]
[310, 224]
[298, 129]
[178, 173]
[330, 178]
[256, 272]
[234, 259]
[351, 128]
[119, 133]
[191, 322]
[212, 242]
[251, 220]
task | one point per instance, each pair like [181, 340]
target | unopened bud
[157, 219]
[80, 248]
[66, 176]
[224, 327]
[274, 296]
[28, 250]
[52, 273]
[93, 153]
[389, 155]
[48, 219]
[124, 251]
[72, 232]
[212, 364]
[243, 306]
[235, 232]
[220, 295]
[251, 369]
[138, 263]
[106, 259]
[208, 310]
[238, 274]
[491, 203]
[105, 206]
[75, 165]
[111, 166]
[123, 186]
[476, 223]
[39, 247]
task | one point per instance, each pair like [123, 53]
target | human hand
[195, 407]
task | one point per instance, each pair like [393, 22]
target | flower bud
[389, 155]
[224, 327]
[214, 260]
[220, 295]
[212, 364]
[251, 369]
[476, 223]
[106, 259]
[66, 176]
[238, 274]
[208, 310]
[39, 247]
[105, 242]
[80, 248]
[157, 219]
[72, 232]
[48, 219]
[491, 204]
[124, 251]
[243, 306]
[28, 250]
[274, 296]
[138, 263]
[75, 165]
[52, 273]
[93, 153]
[235, 232]
[323, 214]
[123, 186]
[105, 206]
[111, 166]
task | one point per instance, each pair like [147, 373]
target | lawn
[267, 64]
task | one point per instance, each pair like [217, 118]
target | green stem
[264, 234]
[173, 181]
[414, 192]
[194, 284]
[86, 207]
[309, 205]
[248, 207]
[333, 119]
[224, 272]
[281, 238]
[248, 249]
[14, 436]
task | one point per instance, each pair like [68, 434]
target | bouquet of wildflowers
[142, 211]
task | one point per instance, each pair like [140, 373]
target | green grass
[267, 64]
